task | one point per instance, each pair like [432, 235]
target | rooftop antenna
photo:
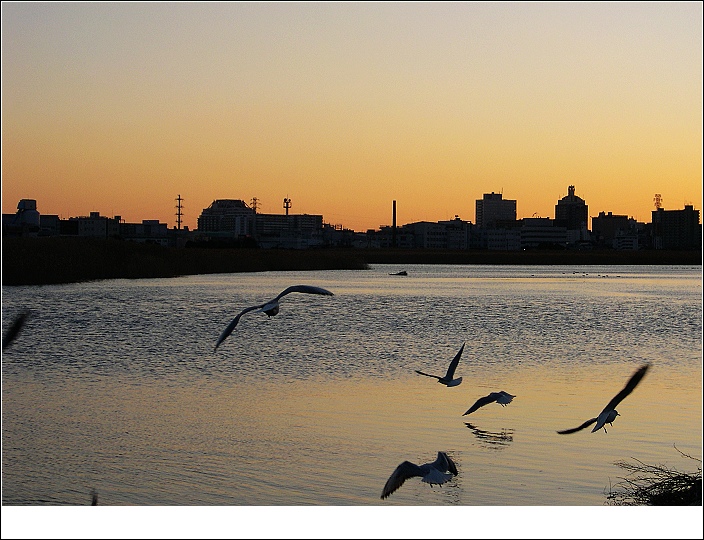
[658, 201]
[255, 204]
[287, 204]
[179, 212]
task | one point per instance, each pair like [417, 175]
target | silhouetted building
[677, 229]
[338, 236]
[230, 216]
[458, 233]
[503, 238]
[95, 225]
[572, 210]
[526, 233]
[233, 219]
[49, 225]
[277, 224]
[449, 234]
[572, 213]
[68, 227]
[627, 240]
[150, 231]
[492, 207]
[539, 233]
[25, 222]
[290, 231]
[614, 231]
[389, 236]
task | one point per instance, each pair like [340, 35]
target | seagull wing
[14, 329]
[573, 430]
[233, 323]
[402, 473]
[428, 375]
[310, 289]
[491, 398]
[444, 463]
[630, 385]
[504, 398]
[453, 365]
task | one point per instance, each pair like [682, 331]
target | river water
[114, 386]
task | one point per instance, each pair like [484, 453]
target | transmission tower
[287, 204]
[658, 201]
[255, 204]
[179, 212]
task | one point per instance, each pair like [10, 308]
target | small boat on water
[401, 273]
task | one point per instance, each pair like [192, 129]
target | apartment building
[677, 229]
[491, 208]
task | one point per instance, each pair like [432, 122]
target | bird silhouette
[502, 398]
[14, 329]
[448, 380]
[271, 307]
[609, 413]
[438, 472]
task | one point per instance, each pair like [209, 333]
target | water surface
[114, 386]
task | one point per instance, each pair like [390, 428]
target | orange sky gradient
[343, 107]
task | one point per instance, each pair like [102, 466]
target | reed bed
[45, 261]
[656, 485]
[51, 260]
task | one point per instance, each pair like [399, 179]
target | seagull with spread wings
[609, 414]
[438, 472]
[448, 379]
[501, 397]
[271, 307]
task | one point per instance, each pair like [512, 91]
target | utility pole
[179, 212]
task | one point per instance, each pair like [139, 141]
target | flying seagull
[448, 380]
[502, 398]
[14, 329]
[271, 307]
[609, 414]
[431, 473]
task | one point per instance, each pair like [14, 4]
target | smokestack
[393, 227]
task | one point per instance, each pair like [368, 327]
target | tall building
[677, 229]
[572, 212]
[492, 208]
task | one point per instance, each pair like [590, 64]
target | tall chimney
[393, 227]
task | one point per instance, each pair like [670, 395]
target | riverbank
[45, 261]
[533, 257]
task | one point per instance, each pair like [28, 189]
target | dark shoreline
[46, 261]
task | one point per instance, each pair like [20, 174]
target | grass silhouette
[656, 485]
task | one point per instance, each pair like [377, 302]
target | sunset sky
[344, 107]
